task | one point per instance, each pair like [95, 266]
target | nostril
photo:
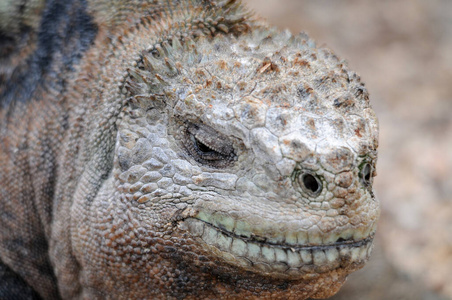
[367, 171]
[310, 184]
[366, 174]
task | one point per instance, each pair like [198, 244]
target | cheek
[121, 246]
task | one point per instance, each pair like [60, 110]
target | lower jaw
[281, 261]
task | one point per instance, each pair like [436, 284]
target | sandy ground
[403, 51]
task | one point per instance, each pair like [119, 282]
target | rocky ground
[403, 51]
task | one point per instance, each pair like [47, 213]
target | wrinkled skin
[203, 167]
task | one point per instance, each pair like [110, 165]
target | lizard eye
[365, 174]
[208, 146]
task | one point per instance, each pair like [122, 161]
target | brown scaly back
[19, 26]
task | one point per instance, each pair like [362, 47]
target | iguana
[177, 150]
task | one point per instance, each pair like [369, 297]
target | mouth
[283, 255]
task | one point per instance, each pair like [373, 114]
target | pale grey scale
[160, 155]
[262, 139]
[315, 235]
[254, 251]
[157, 141]
[262, 267]
[167, 171]
[153, 164]
[319, 258]
[223, 241]
[183, 168]
[263, 182]
[345, 179]
[239, 248]
[124, 158]
[293, 258]
[151, 176]
[268, 254]
[341, 159]
[219, 180]
[149, 188]
[280, 255]
[247, 187]
[185, 191]
[280, 267]
[306, 256]
[133, 174]
[127, 138]
[134, 187]
[181, 180]
[165, 183]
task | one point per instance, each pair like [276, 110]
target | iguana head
[243, 166]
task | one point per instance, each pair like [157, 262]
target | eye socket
[366, 174]
[207, 146]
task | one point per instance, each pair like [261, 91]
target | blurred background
[403, 51]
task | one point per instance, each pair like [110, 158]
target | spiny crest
[155, 66]
[188, 21]
[269, 64]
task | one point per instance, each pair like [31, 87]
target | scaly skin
[189, 151]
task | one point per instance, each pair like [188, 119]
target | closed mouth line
[340, 243]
